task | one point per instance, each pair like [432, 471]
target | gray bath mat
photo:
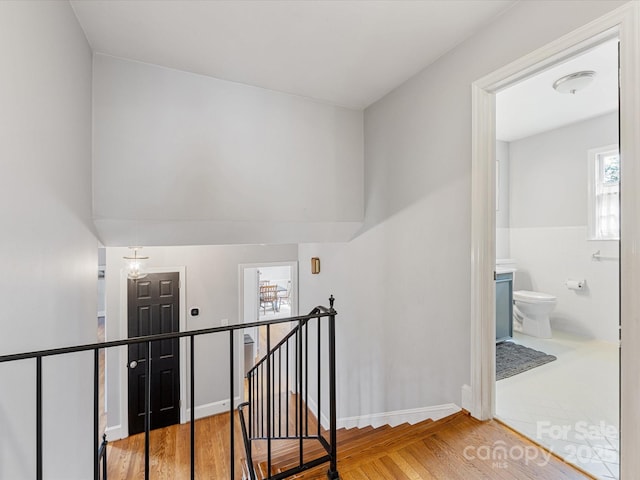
[512, 359]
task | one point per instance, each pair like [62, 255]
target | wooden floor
[170, 453]
[458, 447]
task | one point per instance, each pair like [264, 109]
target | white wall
[181, 158]
[48, 251]
[548, 233]
[276, 275]
[402, 287]
[212, 284]
[503, 247]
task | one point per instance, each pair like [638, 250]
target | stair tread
[366, 456]
[376, 441]
[286, 448]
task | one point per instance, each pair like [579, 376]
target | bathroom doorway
[479, 396]
[557, 242]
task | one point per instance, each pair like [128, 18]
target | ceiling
[348, 53]
[533, 106]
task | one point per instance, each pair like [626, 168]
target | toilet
[531, 313]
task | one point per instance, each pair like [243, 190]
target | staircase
[285, 390]
[353, 444]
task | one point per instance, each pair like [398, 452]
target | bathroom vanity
[504, 304]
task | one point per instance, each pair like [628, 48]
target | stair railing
[278, 406]
[150, 342]
[101, 460]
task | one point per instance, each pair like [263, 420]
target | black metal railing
[278, 407]
[100, 447]
[101, 461]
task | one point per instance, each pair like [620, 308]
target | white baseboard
[114, 433]
[214, 408]
[398, 417]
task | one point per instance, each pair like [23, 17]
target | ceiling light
[573, 82]
[135, 265]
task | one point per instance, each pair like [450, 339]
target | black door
[153, 307]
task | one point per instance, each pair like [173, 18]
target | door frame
[623, 22]
[124, 351]
[293, 299]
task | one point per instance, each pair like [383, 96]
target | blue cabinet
[504, 306]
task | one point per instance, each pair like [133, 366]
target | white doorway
[283, 278]
[624, 22]
[544, 142]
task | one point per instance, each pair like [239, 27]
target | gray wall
[502, 211]
[503, 244]
[48, 251]
[402, 286]
[549, 173]
[189, 159]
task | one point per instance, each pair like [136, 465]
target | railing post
[286, 388]
[269, 426]
[299, 413]
[192, 394]
[251, 410]
[306, 378]
[104, 456]
[280, 392]
[332, 474]
[39, 418]
[231, 398]
[96, 414]
[147, 411]
[319, 373]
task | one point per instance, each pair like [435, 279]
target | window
[604, 193]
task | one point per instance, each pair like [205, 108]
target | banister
[152, 338]
[256, 390]
[280, 344]
[313, 314]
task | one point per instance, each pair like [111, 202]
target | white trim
[124, 378]
[630, 240]
[114, 433]
[102, 313]
[213, 408]
[625, 23]
[483, 248]
[398, 417]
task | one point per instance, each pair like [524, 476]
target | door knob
[133, 364]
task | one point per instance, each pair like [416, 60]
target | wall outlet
[224, 322]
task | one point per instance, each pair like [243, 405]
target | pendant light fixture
[135, 271]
